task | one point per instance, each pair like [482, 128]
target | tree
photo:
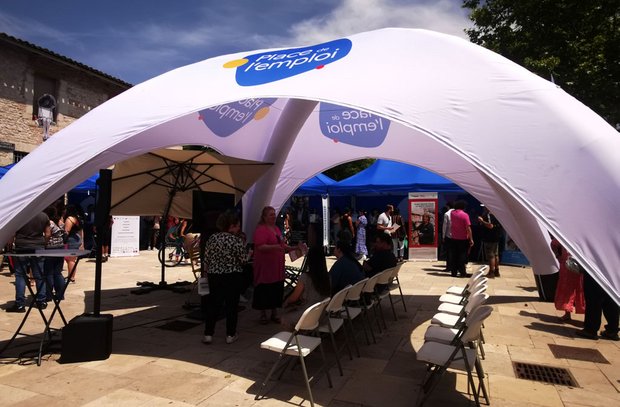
[345, 170]
[575, 42]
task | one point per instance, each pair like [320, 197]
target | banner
[125, 236]
[326, 219]
[422, 233]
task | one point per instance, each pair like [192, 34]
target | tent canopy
[90, 184]
[538, 158]
[320, 184]
[394, 178]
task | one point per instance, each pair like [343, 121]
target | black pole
[102, 216]
[164, 228]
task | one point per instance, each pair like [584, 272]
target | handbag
[203, 286]
[573, 265]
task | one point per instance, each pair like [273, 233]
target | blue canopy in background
[320, 184]
[385, 177]
[89, 185]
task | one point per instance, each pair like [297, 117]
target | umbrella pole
[147, 286]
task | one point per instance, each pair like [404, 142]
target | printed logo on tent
[352, 126]
[273, 66]
[224, 120]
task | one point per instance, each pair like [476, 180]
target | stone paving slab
[151, 366]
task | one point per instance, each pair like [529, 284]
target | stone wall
[78, 90]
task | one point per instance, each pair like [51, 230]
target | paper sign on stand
[125, 236]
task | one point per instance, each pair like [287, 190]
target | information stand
[47, 334]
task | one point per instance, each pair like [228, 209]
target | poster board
[125, 236]
[422, 233]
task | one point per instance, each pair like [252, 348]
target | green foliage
[345, 170]
[575, 41]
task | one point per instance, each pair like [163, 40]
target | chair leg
[329, 377]
[333, 339]
[480, 374]
[382, 315]
[353, 335]
[273, 368]
[402, 297]
[372, 332]
[392, 306]
[303, 368]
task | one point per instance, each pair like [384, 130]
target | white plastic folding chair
[454, 321]
[450, 308]
[443, 334]
[334, 322]
[462, 299]
[395, 283]
[369, 302]
[298, 345]
[353, 297]
[464, 290]
[460, 355]
[384, 280]
[382, 291]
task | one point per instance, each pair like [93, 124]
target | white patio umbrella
[163, 181]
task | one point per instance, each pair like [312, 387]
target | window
[43, 85]
[18, 155]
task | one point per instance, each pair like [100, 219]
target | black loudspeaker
[86, 338]
[104, 198]
[206, 207]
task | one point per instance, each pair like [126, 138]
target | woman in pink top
[462, 239]
[569, 291]
[269, 250]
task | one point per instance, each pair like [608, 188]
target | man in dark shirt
[32, 236]
[382, 257]
[346, 270]
[491, 236]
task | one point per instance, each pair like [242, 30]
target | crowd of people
[226, 260]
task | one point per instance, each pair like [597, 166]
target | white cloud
[354, 16]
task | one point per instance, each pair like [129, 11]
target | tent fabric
[394, 178]
[90, 184]
[318, 185]
[537, 157]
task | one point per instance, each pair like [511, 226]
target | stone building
[27, 72]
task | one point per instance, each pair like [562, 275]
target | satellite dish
[47, 101]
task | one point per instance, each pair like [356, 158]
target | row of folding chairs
[454, 338]
[328, 317]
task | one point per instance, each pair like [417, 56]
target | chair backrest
[479, 282]
[309, 320]
[335, 305]
[482, 269]
[369, 287]
[386, 275]
[475, 300]
[355, 291]
[474, 323]
[474, 277]
[194, 258]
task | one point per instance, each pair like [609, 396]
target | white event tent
[538, 158]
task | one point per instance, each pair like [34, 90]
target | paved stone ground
[152, 366]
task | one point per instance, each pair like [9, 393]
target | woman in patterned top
[225, 255]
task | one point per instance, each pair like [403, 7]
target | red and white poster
[423, 212]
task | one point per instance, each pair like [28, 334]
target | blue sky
[135, 40]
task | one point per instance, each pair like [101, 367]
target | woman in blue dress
[360, 244]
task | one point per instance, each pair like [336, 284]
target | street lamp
[46, 103]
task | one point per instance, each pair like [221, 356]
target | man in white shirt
[446, 234]
[384, 224]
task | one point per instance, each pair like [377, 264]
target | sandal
[263, 320]
[276, 319]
